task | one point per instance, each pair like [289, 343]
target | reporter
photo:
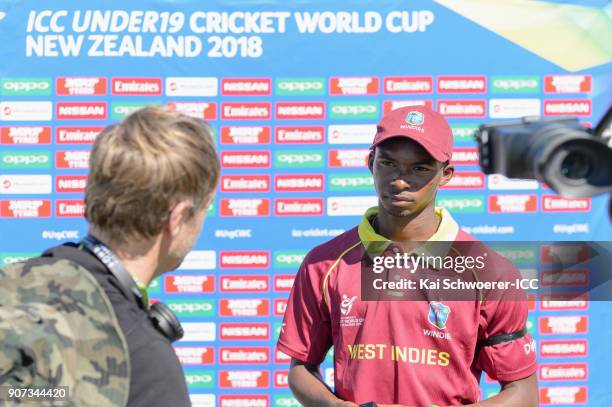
[151, 180]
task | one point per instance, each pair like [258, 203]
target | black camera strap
[162, 317]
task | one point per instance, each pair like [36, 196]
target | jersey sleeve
[506, 350]
[306, 330]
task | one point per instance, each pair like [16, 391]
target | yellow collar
[376, 244]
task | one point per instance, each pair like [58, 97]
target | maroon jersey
[409, 352]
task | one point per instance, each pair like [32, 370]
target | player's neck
[139, 257]
[418, 228]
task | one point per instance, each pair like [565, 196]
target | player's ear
[447, 173]
[371, 161]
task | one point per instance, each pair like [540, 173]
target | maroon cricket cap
[421, 124]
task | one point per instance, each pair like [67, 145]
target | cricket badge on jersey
[346, 319]
[347, 304]
[415, 118]
[438, 314]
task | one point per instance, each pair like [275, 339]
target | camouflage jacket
[57, 328]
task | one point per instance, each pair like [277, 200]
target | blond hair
[140, 168]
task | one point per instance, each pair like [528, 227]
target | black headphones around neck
[162, 317]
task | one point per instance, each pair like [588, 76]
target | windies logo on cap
[415, 118]
[438, 314]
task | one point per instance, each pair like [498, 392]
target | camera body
[565, 155]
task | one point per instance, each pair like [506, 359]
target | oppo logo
[26, 159]
[125, 110]
[353, 110]
[190, 307]
[300, 86]
[515, 83]
[286, 402]
[198, 379]
[25, 85]
[461, 203]
[352, 182]
[299, 158]
[15, 259]
[290, 258]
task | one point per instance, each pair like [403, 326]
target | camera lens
[577, 165]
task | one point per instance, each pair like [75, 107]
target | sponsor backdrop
[293, 93]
